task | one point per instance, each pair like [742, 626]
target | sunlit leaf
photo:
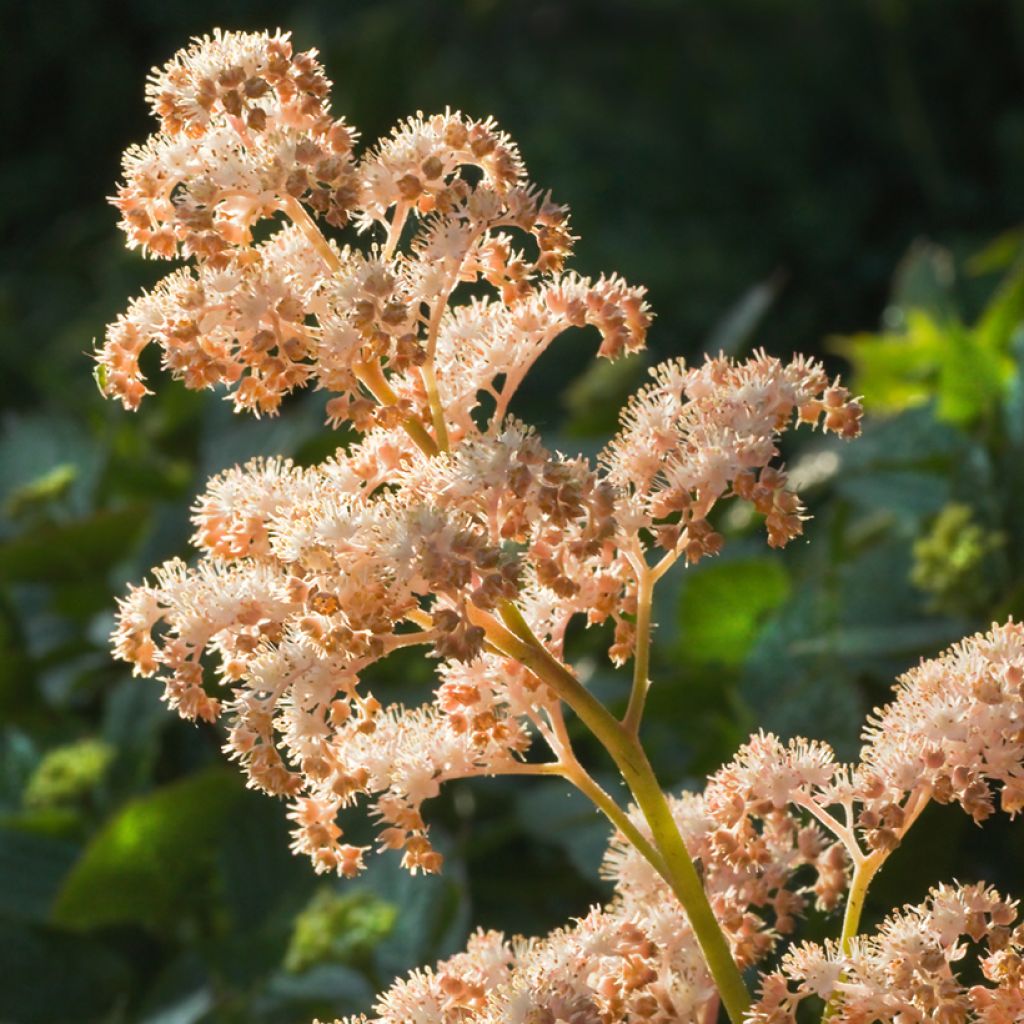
[153, 858]
[723, 605]
[1003, 250]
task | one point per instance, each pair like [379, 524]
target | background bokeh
[841, 179]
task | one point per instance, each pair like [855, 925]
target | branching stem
[395, 230]
[428, 373]
[844, 834]
[514, 638]
[371, 376]
[864, 873]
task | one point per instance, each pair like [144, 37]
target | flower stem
[428, 374]
[863, 875]
[395, 229]
[301, 219]
[436, 408]
[371, 376]
[616, 815]
[516, 640]
[685, 881]
[641, 654]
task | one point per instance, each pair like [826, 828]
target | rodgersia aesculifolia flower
[450, 525]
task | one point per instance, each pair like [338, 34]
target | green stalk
[371, 376]
[642, 652]
[863, 875]
[516, 640]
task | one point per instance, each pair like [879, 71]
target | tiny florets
[907, 971]
[442, 514]
[449, 525]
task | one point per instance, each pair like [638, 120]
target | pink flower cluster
[765, 837]
[450, 526]
[635, 959]
[448, 510]
[905, 972]
[954, 733]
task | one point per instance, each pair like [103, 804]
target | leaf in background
[53, 485]
[594, 398]
[999, 254]
[972, 377]
[79, 550]
[733, 331]
[953, 561]
[47, 459]
[902, 640]
[1013, 407]
[906, 494]
[1003, 313]
[19, 694]
[433, 909]
[723, 605]
[339, 926]
[187, 1010]
[923, 281]
[67, 774]
[796, 693]
[49, 976]
[553, 812]
[928, 353]
[229, 438]
[897, 369]
[154, 858]
[133, 717]
[39, 864]
[911, 440]
[325, 991]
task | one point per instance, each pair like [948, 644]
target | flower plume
[444, 515]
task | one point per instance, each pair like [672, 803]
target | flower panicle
[422, 532]
[910, 969]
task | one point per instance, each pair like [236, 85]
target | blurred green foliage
[68, 774]
[763, 168]
[342, 928]
[953, 561]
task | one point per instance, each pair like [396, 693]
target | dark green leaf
[72, 551]
[35, 865]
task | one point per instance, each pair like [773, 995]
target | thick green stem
[516, 640]
[685, 882]
[616, 815]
